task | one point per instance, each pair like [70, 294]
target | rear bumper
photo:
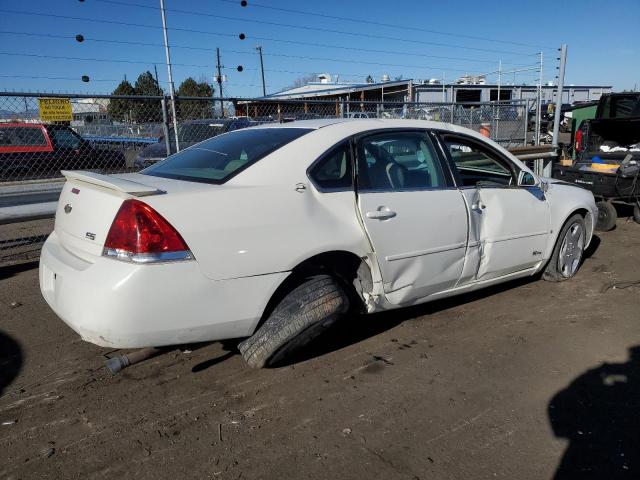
[116, 304]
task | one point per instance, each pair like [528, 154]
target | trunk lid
[87, 206]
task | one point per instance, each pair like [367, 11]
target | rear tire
[607, 216]
[636, 213]
[568, 251]
[303, 314]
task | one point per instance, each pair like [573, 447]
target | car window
[197, 132]
[399, 161]
[334, 170]
[64, 138]
[478, 164]
[219, 158]
[22, 137]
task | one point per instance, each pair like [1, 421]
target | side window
[334, 170]
[478, 164]
[399, 161]
[64, 138]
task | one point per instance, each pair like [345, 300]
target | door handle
[382, 213]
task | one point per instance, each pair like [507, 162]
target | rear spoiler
[112, 183]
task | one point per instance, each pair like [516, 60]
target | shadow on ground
[599, 414]
[357, 328]
[10, 360]
[11, 270]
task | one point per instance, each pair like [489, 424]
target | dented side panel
[421, 249]
[509, 231]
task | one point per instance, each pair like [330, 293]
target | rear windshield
[22, 137]
[219, 158]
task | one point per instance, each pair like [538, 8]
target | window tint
[64, 138]
[334, 171]
[218, 158]
[621, 106]
[197, 132]
[399, 161]
[22, 136]
[478, 164]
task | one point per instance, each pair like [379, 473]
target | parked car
[190, 132]
[30, 150]
[360, 115]
[276, 232]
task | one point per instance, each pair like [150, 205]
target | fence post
[525, 120]
[165, 125]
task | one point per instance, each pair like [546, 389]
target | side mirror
[527, 179]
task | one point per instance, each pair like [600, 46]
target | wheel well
[351, 271]
[588, 220]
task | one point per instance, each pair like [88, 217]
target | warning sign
[55, 109]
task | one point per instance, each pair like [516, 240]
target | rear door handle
[478, 207]
[382, 213]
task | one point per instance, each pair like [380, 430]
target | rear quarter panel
[257, 223]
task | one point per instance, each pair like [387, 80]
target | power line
[107, 60]
[36, 77]
[382, 24]
[151, 62]
[342, 32]
[208, 49]
[264, 22]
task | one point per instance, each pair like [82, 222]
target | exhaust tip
[115, 364]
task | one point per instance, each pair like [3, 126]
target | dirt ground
[525, 381]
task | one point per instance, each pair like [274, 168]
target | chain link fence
[42, 134]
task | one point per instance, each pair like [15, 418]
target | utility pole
[539, 105]
[219, 79]
[558, 113]
[169, 73]
[498, 103]
[264, 89]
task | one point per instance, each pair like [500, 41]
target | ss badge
[90, 236]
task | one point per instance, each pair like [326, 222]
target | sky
[351, 39]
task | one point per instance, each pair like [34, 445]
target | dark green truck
[607, 156]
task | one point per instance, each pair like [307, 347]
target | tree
[370, 79]
[147, 110]
[302, 81]
[192, 109]
[121, 109]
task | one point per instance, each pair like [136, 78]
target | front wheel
[567, 254]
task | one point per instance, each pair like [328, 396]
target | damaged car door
[508, 213]
[415, 218]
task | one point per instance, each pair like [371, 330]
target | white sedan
[275, 232]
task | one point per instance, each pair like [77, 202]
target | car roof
[361, 124]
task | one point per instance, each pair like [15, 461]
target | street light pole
[170, 74]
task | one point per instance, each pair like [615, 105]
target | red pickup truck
[35, 150]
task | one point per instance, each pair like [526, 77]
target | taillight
[579, 141]
[140, 234]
